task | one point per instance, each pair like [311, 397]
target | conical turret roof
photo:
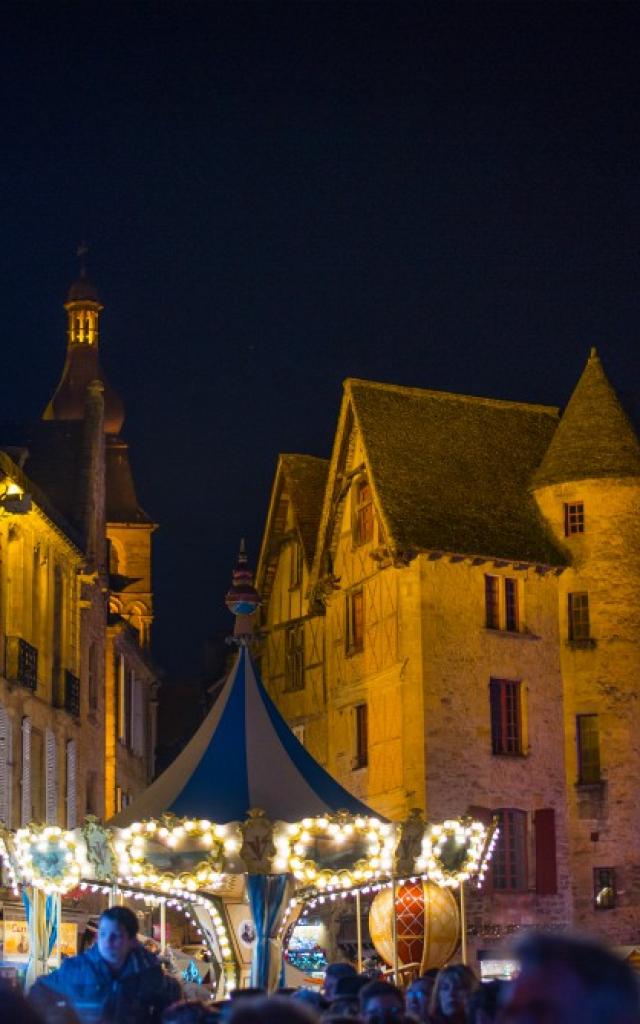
[594, 438]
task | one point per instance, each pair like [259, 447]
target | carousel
[246, 834]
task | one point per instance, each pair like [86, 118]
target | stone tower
[128, 528]
[588, 489]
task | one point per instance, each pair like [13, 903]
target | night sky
[278, 196]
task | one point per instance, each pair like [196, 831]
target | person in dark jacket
[117, 981]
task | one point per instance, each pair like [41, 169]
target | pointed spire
[594, 438]
[242, 599]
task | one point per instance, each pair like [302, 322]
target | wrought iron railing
[21, 662]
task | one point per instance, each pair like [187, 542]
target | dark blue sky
[278, 196]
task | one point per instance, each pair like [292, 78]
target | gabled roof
[299, 480]
[595, 438]
[449, 472]
[243, 756]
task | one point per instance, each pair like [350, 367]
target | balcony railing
[66, 690]
[21, 662]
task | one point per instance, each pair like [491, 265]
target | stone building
[76, 599]
[451, 619]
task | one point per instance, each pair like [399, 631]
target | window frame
[361, 736]
[294, 663]
[354, 632]
[502, 603]
[295, 565]
[578, 616]
[363, 513]
[590, 777]
[573, 518]
[598, 888]
[515, 870]
[505, 705]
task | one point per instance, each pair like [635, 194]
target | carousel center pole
[163, 926]
[394, 929]
[463, 924]
[359, 930]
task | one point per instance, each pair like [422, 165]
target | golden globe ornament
[428, 924]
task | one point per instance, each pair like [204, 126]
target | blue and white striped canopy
[243, 755]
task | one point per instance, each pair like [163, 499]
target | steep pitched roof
[306, 478]
[301, 480]
[595, 438]
[451, 472]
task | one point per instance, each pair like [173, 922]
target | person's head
[485, 1002]
[314, 1000]
[418, 995]
[381, 1003]
[191, 1012]
[271, 1010]
[332, 974]
[117, 931]
[451, 992]
[568, 980]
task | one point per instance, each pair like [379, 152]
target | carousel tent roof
[243, 755]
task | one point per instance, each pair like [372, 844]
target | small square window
[604, 888]
[573, 518]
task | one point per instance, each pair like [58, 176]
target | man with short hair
[381, 1003]
[568, 980]
[332, 974]
[117, 981]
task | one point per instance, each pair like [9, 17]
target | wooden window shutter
[72, 796]
[546, 869]
[482, 814]
[25, 810]
[51, 779]
[5, 768]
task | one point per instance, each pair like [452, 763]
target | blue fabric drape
[50, 917]
[267, 896]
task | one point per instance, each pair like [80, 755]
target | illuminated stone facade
[425, 632]
[76, 600]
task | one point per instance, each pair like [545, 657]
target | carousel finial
[242, 599]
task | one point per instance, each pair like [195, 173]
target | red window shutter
[482, 814]
[546, 870]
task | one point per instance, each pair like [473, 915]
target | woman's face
[452, 996]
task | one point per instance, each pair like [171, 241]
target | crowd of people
[562, 980]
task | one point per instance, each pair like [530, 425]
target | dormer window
[363, 525]
[573, 518]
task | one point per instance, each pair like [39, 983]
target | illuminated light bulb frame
[172, 832]
[293, 840]
[478, 839]
[8, 863]
[50, 858]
